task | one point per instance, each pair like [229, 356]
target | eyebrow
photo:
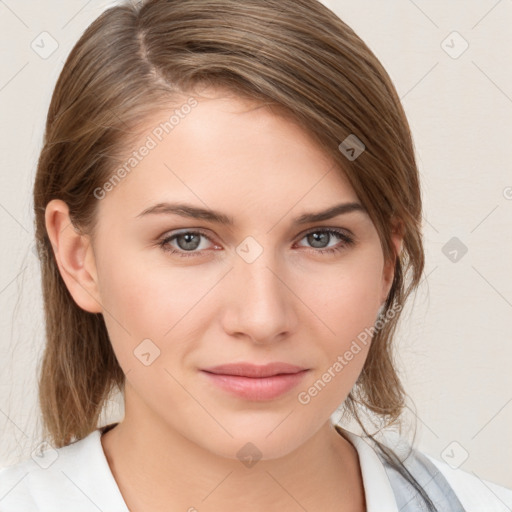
[194, 212]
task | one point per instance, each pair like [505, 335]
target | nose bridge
[262, 304]
[261, 279]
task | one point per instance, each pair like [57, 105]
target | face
[181, 294]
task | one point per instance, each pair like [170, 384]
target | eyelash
[347, 242]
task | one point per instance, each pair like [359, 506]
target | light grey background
[455, 342]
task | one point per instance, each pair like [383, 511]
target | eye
[189, 242]
[319, 237]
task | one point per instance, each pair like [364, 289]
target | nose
[259, 305]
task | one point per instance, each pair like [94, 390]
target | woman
[228, 218]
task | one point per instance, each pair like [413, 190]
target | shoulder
[37, 482]
[72, 477]
[475, 494]
[14, 489]
[455, 488]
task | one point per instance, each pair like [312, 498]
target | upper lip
[255, 371]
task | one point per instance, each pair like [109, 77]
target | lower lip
[265, 388]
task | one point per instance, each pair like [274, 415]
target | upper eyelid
[301, 235]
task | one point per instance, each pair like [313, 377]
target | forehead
[227, 150]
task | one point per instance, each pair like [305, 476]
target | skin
[176, 446]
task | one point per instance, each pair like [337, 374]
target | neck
[157, 468]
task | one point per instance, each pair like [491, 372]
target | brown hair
[296, 55]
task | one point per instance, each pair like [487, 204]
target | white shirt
[77, 478]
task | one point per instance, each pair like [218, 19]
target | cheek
[348, 307]
[347, 298]
[144, 301]
[135, 303]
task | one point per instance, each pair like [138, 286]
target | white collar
[377, 487]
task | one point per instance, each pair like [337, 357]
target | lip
[254, 382]
[254, 370]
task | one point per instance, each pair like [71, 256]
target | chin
[260, 441]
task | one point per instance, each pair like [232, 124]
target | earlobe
[74, 255]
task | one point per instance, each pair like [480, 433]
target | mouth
[254, 382]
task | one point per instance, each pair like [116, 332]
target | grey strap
[429, 477]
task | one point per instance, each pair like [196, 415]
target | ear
[389, 268]
[74, 256]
